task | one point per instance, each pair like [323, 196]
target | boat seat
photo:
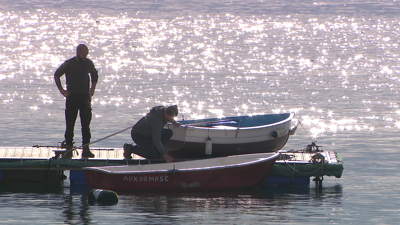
[225, 127]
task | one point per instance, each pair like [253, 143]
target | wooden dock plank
[48, 152]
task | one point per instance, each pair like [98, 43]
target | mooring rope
[305, 131]
[101, 139]
[294, 169]
[111, 135]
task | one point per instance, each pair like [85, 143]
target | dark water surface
[334, 63]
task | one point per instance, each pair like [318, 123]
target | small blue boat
[218, 137]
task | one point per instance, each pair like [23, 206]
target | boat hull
[256, 134]
[197, 149]
[200, 178]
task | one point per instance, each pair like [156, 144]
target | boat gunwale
[290, 117]
[194, 169]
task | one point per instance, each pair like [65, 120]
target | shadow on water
[76, 207]
[263, 192]
[262, 195]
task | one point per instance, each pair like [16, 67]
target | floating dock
[295, 168]
[43, 164]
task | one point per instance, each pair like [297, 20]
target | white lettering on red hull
[146, 178]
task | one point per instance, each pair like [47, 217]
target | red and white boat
[230, 135]
[232, 172]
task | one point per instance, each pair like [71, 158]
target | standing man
[150, 135]
[79, 95]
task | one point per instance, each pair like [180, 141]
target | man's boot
[86, 153]
[68, 152]
[127, 151]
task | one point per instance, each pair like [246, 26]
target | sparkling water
[334, 63]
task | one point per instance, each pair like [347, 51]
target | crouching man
[150, 135]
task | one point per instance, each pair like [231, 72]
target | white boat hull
[189, 140]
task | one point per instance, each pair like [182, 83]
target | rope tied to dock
[101, 139]
[305, 173]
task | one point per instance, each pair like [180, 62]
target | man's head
[81, 52]
[170, 112]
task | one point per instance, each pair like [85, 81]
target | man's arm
[168, 158]
[92, 89]
[60, 88]
[156, 128]
[94, 75]
[175, 123]
[57, 75]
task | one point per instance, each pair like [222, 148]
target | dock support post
[318, 182]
